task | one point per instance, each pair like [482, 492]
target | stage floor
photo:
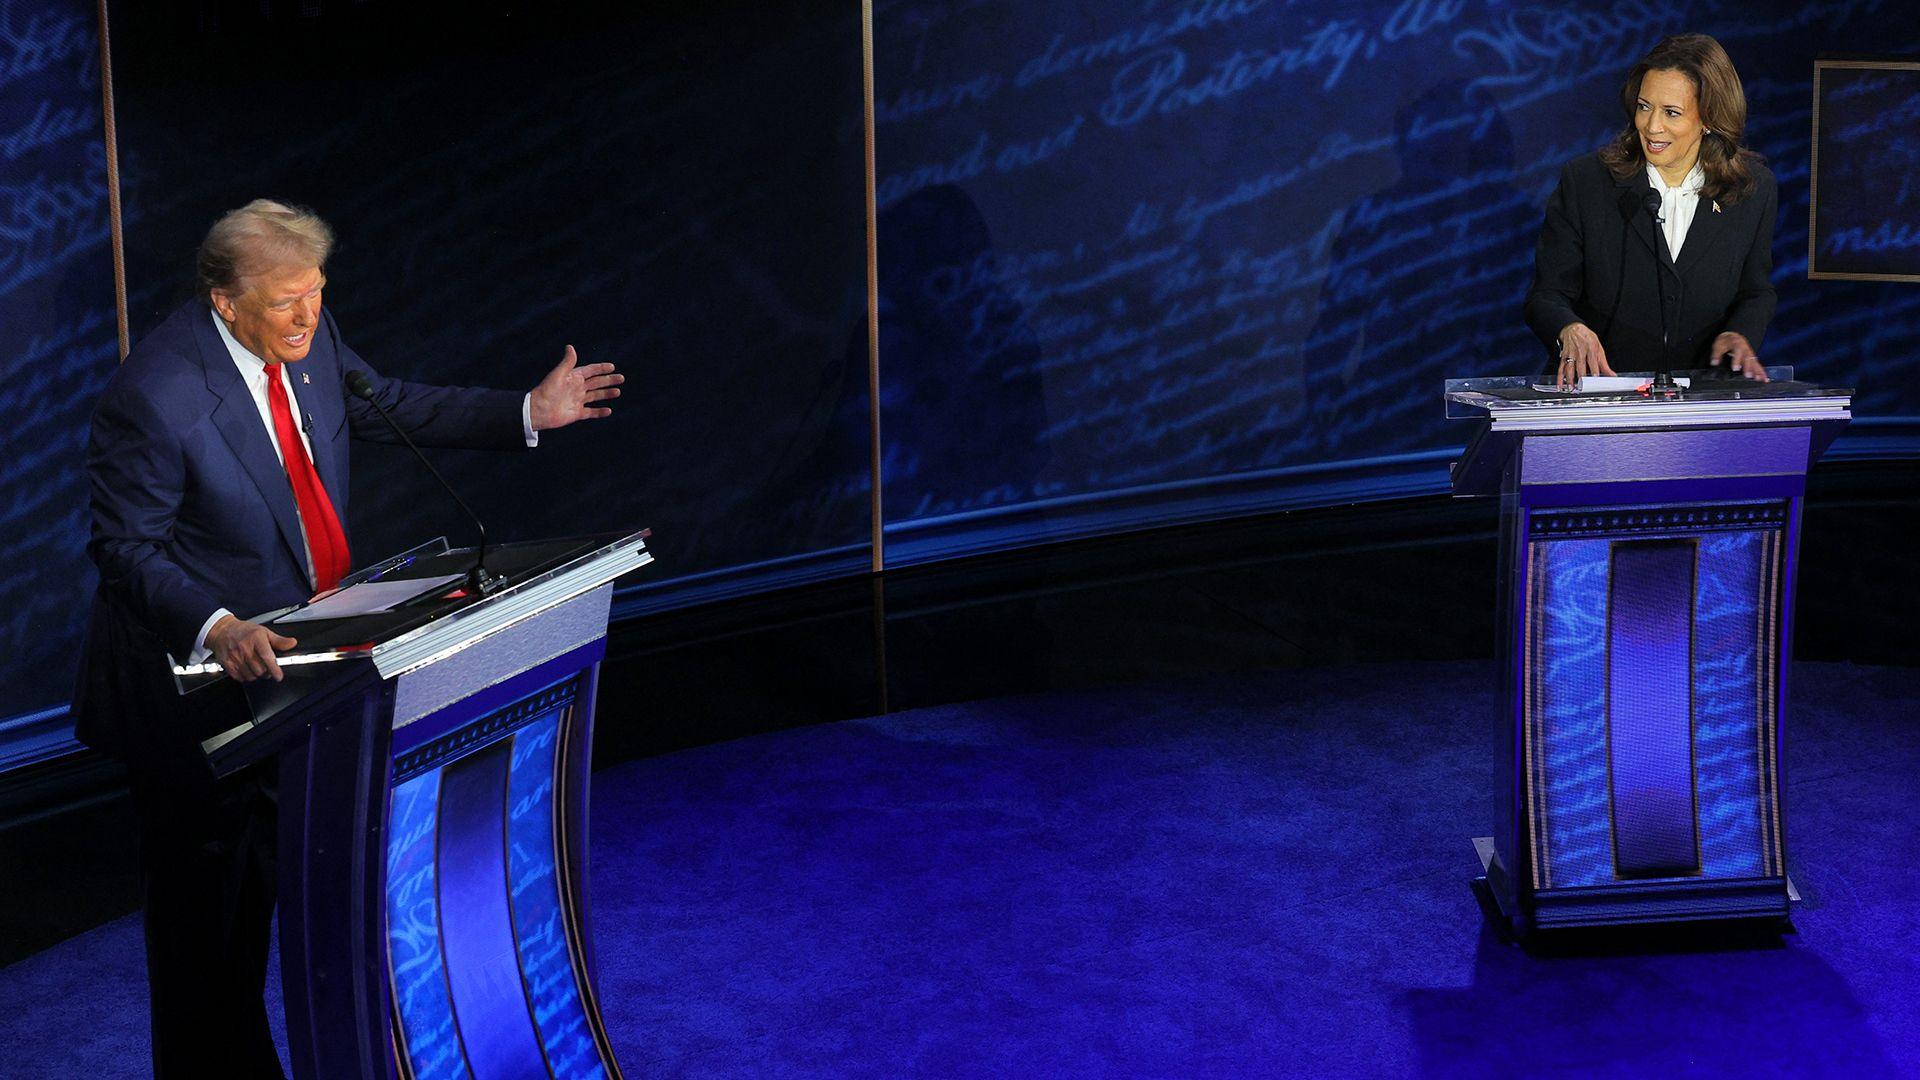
[1249, 875]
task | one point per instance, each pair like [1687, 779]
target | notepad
[368, 598]
[1620, 384]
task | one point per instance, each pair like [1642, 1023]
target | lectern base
[1665, 900]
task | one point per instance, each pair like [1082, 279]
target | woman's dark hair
[1728, 165]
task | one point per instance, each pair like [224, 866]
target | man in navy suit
[217, 463]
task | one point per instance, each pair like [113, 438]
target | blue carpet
[1257, 876]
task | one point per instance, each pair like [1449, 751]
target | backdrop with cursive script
[57, 347]
[679, 190]
[1139, 262]
[1152, 260]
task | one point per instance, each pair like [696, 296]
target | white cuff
[200, 652]
[526, 421]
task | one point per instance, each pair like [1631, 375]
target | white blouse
[1677, 204]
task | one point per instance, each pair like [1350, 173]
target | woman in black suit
[1676, 180]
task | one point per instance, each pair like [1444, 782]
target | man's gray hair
[258, 237]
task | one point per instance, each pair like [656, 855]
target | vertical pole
[115, 239]
[873, 289]
[873, 360]
[880, 641]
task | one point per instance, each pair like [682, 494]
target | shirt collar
[251, 367]
[1696, 179]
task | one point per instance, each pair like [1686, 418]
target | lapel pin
[1716, 209]
[309, 382]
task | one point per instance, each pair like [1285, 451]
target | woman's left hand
[1733, 350]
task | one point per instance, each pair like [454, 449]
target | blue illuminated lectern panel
[485, 950]
[1636, 745]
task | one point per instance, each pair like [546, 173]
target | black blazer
[1595, 257]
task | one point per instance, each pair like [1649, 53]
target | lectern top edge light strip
[1687, 414]
[418, 647]
[212, 667]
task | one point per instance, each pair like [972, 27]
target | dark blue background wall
[1139, 262]
[1149, 260]
[56, 349]
[675, 188]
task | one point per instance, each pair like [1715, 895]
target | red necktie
[326, 540]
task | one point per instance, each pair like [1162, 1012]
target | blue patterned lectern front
[1647, 555]
[434, 918]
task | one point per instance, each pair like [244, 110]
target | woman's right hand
[1580, 354]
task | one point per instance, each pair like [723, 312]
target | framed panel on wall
[1864, 214]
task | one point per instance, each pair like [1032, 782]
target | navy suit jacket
[1598, 265]
[192, 510]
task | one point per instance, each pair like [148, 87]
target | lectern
[1647, 551]
[433, 767]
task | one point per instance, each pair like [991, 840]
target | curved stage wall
[1139, 263]
[1177, 258]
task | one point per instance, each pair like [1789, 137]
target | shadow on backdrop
[1424, 280]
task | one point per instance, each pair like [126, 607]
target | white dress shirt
[253, 372]
[1677, 204]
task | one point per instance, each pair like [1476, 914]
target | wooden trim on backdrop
[1813, 171]
[873, 292]
[1813, 177]
[880, 641]
[116, 240]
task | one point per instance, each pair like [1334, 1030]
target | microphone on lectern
[479, 580]
[1663, 373]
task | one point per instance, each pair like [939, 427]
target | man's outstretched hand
[569, 391]
[246, 649]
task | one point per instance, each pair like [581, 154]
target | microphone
[1663, 375]
[1629, 206]
[480, 581]
[1650, 199]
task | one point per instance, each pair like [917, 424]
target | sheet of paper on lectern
[368, 598]
[1619, 384]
